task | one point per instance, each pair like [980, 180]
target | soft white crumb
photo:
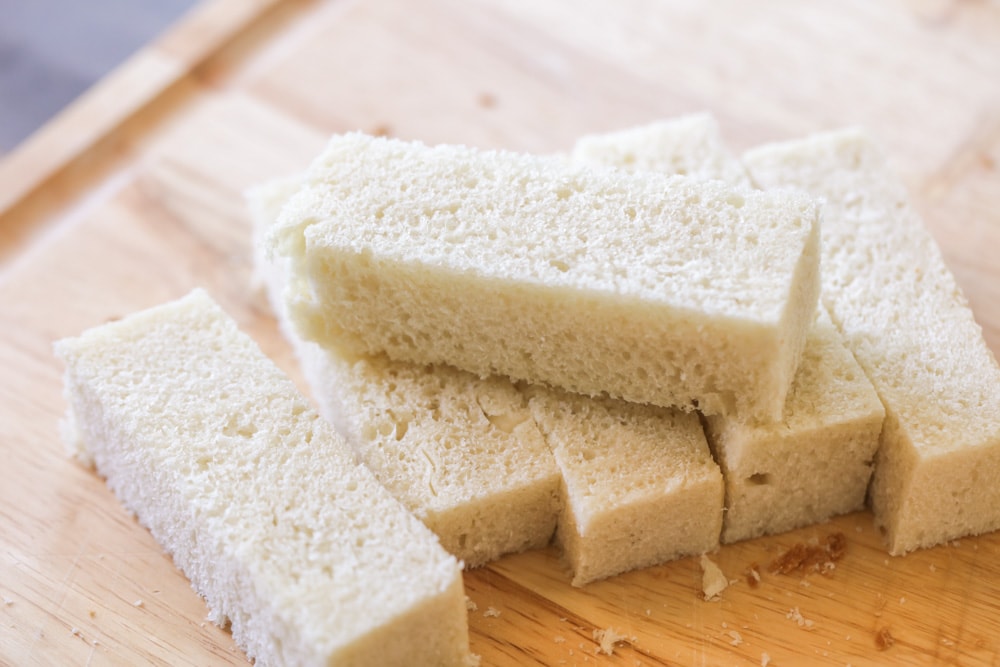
[7, 601]
[75, 631]
[94, 642]
[137, 603]
[765, 660]
[607, 639]
[491, 612]
[933, 567]
[559, 639]
[713, 581]
[902, 600]
[649, 612]
[470, 605]
[737, 638]
[724, 625]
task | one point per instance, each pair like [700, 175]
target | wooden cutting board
[133, 197]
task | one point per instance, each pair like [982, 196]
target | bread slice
[908, 324]
[816, 461]
[261, 505]
[460, 452]
[646, 287]
[689, 146]
[639, 483]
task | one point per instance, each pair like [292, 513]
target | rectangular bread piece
[639, 487]
[901, 312]
[288, 538]
[646, 287]
[460, 452]
[816, 461]
[690, 145]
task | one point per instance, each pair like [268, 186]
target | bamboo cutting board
[133, 197]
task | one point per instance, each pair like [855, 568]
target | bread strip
[261, 505]
[460, 452]
[645, 287]
[816, 461]
[639, 483]
[908, 324]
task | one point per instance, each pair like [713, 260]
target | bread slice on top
[816, 461]
[901, 312]
[460, 452]
[646, 287]
[291, 541]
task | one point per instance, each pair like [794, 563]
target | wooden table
[133, 196]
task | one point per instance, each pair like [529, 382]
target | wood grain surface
[133, 197]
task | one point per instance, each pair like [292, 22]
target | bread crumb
[607, 639]
[491, 612]
[736, 637]
[137, 603]
[7, 602]
[902, 600]
[559, 639]
[883, 639]
[713, 581]
[933, 568]
[947, 642]
[75, 631]
[752, 575]
[381, 130]
[470, 605]
[487, 101]
[94, 642]
[795, 615]
[649, 612]
[816, 557]
[765, 660]
[92, 613]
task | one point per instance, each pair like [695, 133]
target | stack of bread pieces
[643, 348]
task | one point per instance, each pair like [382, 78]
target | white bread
[908, 324]
[261, 505]
[645, 287]
[460, 452]
[639, 483]
[689, 146]
[816, 461]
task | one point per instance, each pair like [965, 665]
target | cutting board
[133, 197]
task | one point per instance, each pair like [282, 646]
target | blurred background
[51, 51]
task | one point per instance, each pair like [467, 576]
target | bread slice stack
[638, 483]
[517, 347]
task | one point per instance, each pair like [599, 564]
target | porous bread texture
[689, 146]
[905, 318]
[292, 543]
[816, 461]
[646, 287]
[639, 483]
[460, 452]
